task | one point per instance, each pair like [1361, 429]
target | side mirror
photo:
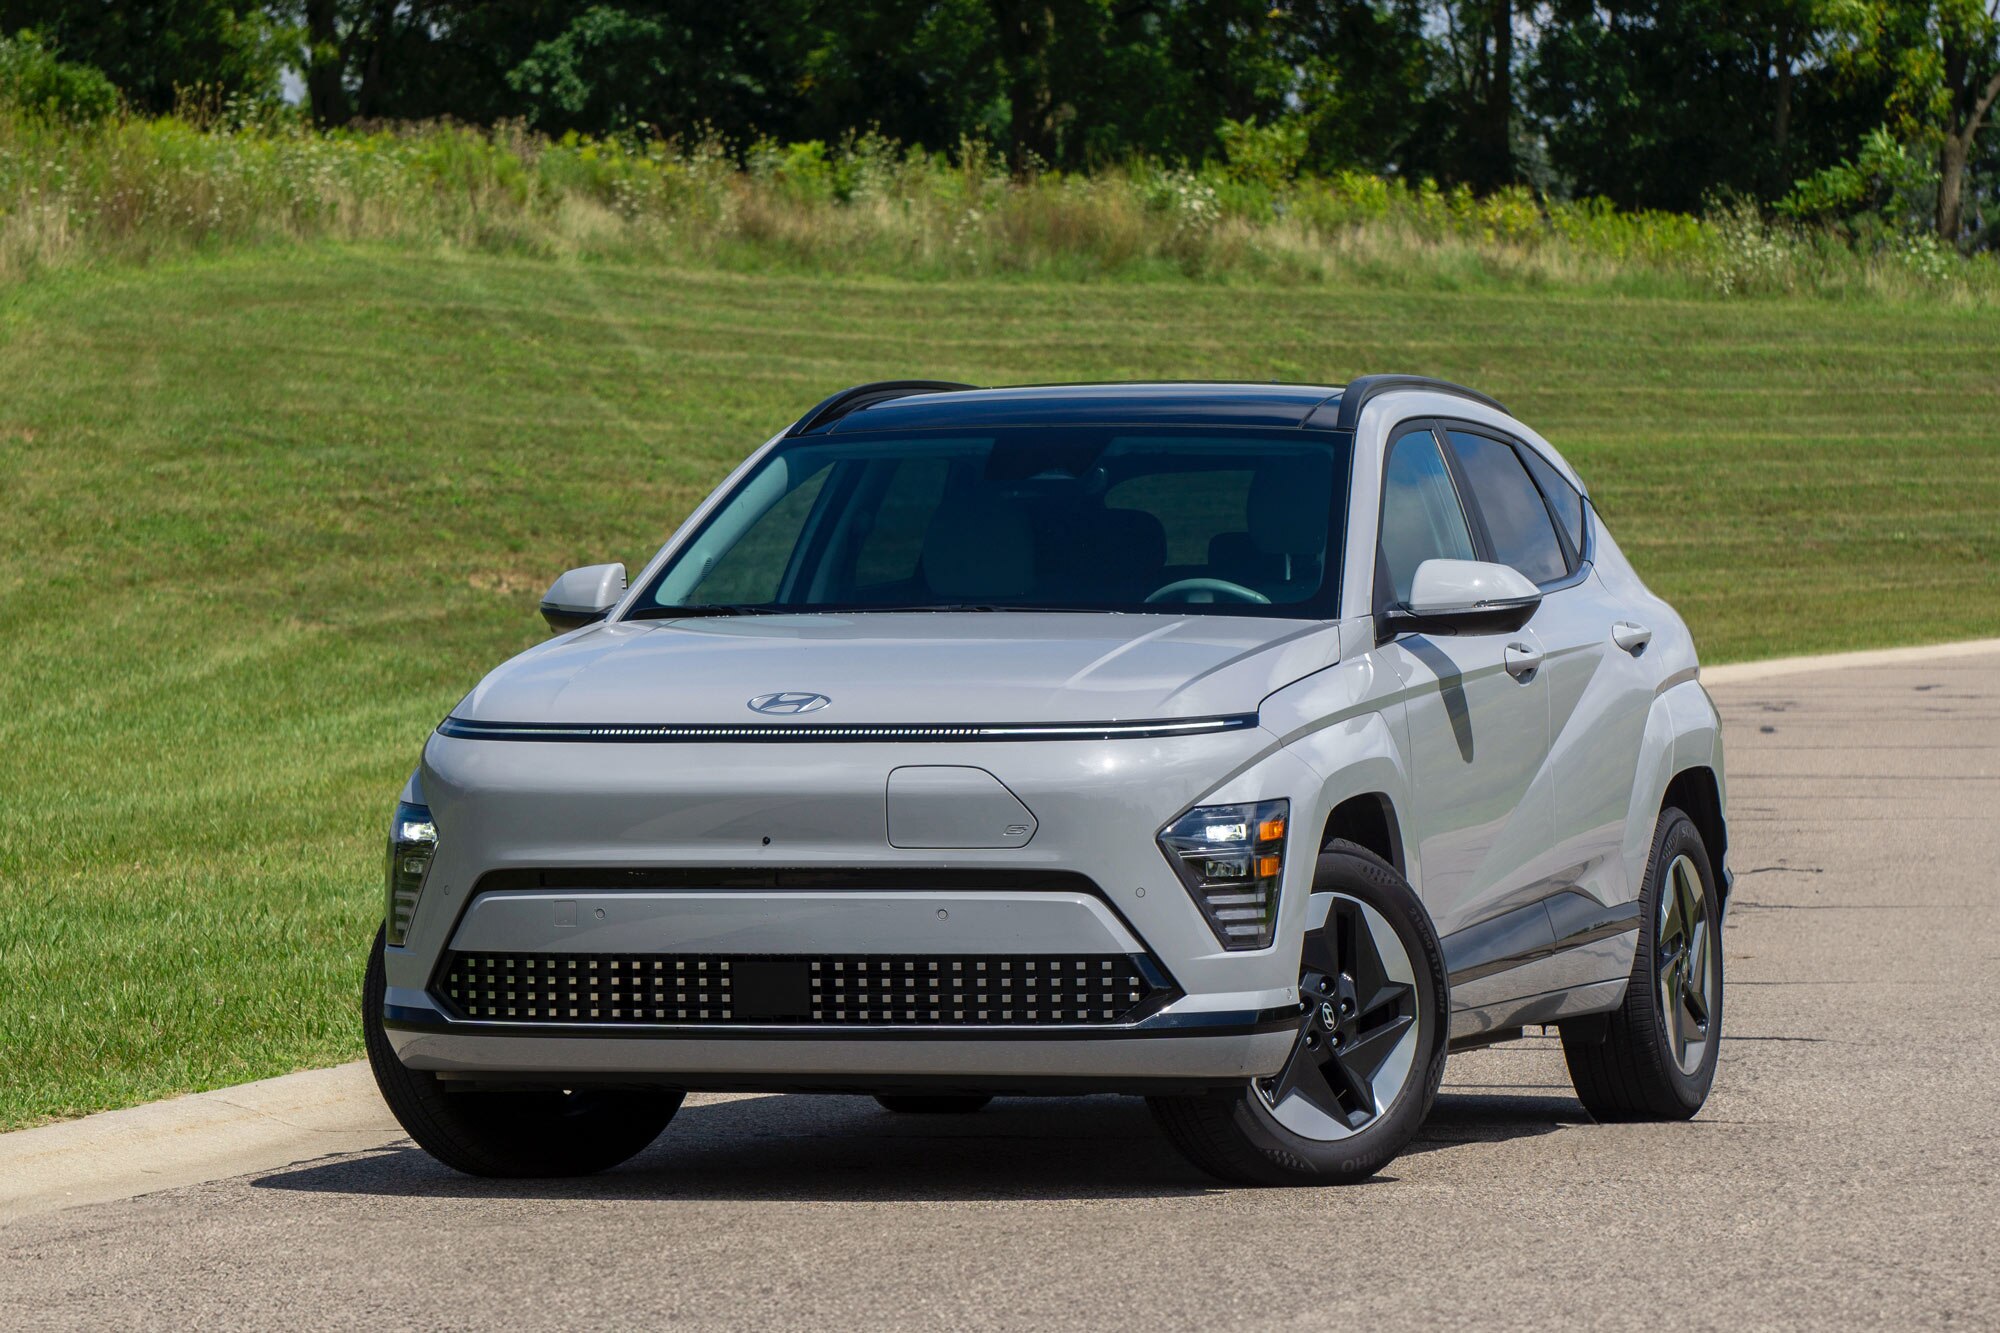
[583, 596]
[1463, 597]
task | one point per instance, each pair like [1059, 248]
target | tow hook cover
[940, 805]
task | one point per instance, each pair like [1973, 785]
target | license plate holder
[769, 990]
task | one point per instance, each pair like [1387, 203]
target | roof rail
[867, 395]
[1359, 391]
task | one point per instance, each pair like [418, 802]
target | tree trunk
[325, 95]
[1951, 187]
[1781, 121]
[1025, 30]
[368, 96]
[1500, 98]
[1487, 151]
[1957, 150]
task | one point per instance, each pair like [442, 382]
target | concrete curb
[188, 1140]
[274, 1123]
[1738, 672]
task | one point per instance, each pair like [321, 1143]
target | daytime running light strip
[462, 729]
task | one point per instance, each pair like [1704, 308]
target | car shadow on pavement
[1460, 1118]
[824, 1148]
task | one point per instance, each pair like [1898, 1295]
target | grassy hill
[269, 517]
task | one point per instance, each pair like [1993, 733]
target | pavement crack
[286, 1121]
[1731, 1036]
[1848, 907]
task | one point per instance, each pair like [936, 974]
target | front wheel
[553, 1132]
[1368, 1054]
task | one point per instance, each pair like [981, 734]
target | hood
[908, 668]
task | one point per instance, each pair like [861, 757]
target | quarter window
[1517, 521]
[1563, 498]
[1421, 515]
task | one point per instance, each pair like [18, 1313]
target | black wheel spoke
[1316, 957]
[1363, 959]
[1305, 1073]
[1355, 1014]
[1365, 1054]
[1682, 966]
[1355, 1096]
[1694, 996]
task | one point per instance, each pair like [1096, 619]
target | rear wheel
[917, 1104]
[1368, 1055]
[553, 1132]
[1654, 1057]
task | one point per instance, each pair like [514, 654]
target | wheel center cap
[1326, 1014]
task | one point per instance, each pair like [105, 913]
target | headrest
[978, 549]
[1134, 542]
[1291, 503]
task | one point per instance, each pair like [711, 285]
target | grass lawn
[269, 517]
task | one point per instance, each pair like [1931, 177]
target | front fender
[1346, 725]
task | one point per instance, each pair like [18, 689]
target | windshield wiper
[708, 609]
[982, 606]
[836, 609]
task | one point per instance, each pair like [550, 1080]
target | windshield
[1242, 522]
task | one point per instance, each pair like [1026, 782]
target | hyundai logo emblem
[790, 702]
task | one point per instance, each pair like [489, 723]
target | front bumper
[580, 850]
[1172, 1039]
[1167, 1052]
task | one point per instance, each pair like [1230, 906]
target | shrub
[1884, 180]
[34, 82]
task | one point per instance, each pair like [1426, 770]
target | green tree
[1944, 59]
[157, 50]
[673, 65]
[415, 59]
[1664, 103]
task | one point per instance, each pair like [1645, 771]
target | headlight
[1231, 858]
[412, 840]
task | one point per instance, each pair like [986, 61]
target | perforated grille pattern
[852, 990]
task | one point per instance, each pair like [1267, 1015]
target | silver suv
[1244, 747]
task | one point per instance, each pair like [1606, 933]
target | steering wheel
[1209, 586]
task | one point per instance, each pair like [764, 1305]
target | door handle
[1632, 638]
[1522, 661]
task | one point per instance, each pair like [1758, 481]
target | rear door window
[1517, 521]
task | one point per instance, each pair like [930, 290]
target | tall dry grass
[133, 190]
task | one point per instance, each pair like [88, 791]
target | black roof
[937, 405]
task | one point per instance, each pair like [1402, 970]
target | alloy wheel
[1684, 969]
[1357, 1038]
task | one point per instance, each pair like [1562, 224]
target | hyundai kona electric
[1248, 748]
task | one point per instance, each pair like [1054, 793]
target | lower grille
[834, 991]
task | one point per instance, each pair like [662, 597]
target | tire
[558, 1132]
[1391, 1017]
[1654, 1056]
[919, 1104]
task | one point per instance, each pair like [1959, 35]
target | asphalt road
[1844, 1171]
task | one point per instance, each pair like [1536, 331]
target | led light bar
[464, 729]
